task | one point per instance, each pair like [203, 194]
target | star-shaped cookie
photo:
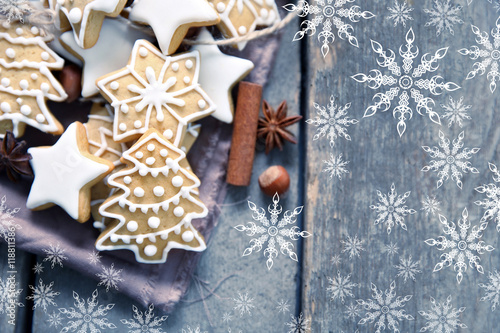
[171, 19]
[218, 74]
[65, 173]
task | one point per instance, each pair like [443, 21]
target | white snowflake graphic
[382, 309]
[9, 295]
[470, 1]
[492, 290]
[353, 311]
[335, 166]
[43, 295]
[450, 158]
[462, 244]
[391, 209]
[340, 287]
[442, 318]
[400, 13]
[6, 218]
[456, 111]
[94, 258]
[243, 304]
[332, 123]
[408, 268]
[298, 324]
[88, 318]
[443, 16]
[54, 319]
[226, 317]
[189, 329]
[55, 255]
[487, 54]
[492, 201]
[406, 82]
[38, 268]
[144, 322]
[353, 246]
[430, 205]
[391, 249]
[272, 231]
[283, 306]
[328, 14]
[110, 277]
[336, 260]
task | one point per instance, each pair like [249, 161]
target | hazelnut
[71, 80]
[274, 179]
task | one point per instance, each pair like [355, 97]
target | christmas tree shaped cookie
[155, 203]
[155, 91]
[26, 81]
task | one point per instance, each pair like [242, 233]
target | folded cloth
[160, 284]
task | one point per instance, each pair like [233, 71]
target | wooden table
[335, 211]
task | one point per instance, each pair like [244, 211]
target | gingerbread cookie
[65, 173]
[171, 19]
[154, 205]
[26, 81]
[155, 91]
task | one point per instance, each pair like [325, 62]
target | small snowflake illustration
[336, 260]
[336, 167]
[442, 317]
[470, 1]
[328, 14]
[298, 324]
[353, 246]
[406, 82]
[492, 201]
[7, 224]
[456, 111]
[487, 53]
[407, 268]
[400, 13]
[145, 322]
[450, 158]
[9, 295]
[492, 290]
[283, 306]
[463, 244]
[352, 311]
[55, 255]
[443, 16]
[340, 287]
[430, 205]
[391, 249]
[382, 309]
[332, 121]
[189, 329]
[38, 268]
[273, 231]
[227, 317]
[88, 318]
[54, 319]
[391, 209]
[43, 295]
[110, 277]
[94, 258]
[243, 304]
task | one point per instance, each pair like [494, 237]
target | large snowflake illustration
[391, 209]
[332, 123]
[382, 309]
[55, 255]
[272, 231]
[406, 82]
[336, 167]
[298, 324]
[400, 13]
[89, 318]
[442, 317]
[407, 268]
[353, 246]
[243, 304]
[43, 295]
[456, 111]
[492, 290]
[9, 295]
[443, 16]
[144, 322]
[328, 14]
[461, 245]
[492, 201]
[6, 219]
[110, 277]
[450, 158]
[430, 205]
[487, 54]
[340, 287]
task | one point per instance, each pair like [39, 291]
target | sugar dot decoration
[114, 85]
[45, 56]
[40, 118]
[5, 107]
[34, 76]
[122, 127]
[175, 66]
[10, 52]
[158, 191]
[44, 87]
[75, 15]
[153, 222]
[26, 110]
[149, 250]
[151, 147]
[19, 31]
[143, 52]
[139, 154]
[132, 226]
[177, 181]
[187, 236]
[189, 64]
[242, 30]
[124, 108]
[187, 79]
[139, 192]
[127, 180]
[221, 7]
[137, 124]
[150, 160]
[168, 134]
[35, 30]
[202, 104]
[23, 84]
[178, 211]
[5, 82]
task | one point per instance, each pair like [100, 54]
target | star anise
[13, 158]
[273, 125]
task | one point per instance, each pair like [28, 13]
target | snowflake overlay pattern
[430, 205]
[461, 245]
[450, 159]
[443, 16]
[492, 201]
[328, 14]
[54, 319]
[7, 295]
[332, 123]
[456, 111]
[272, 231]
[442, 318]
[391, 209]
[38, 268]
[400, 13]
[243, 304]
[298, 324]
[43, 295]
[94, 258]
[283, 306]
[144, 322]
[109, 277]
[391, 249]
[91, 317]
[340, 287]
[487, 53]
[407, 268]
[352, 311]
[406, 82]
[353, 246]
[336, 167]
[492, 290]
[6, 222]
[55, 255]
[385, 309]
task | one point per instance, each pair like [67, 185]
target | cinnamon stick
[246, 119]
